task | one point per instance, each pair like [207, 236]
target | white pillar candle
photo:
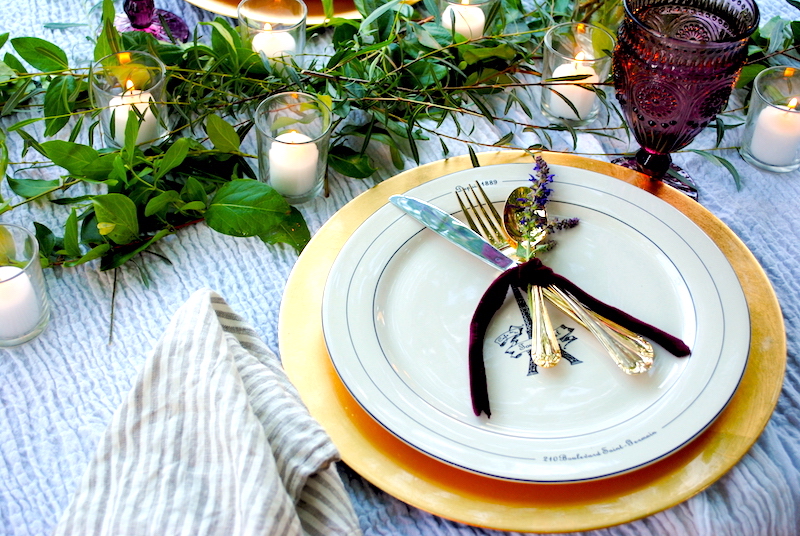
[581, 98]
[121, 107]
[465, 19]
[293, 163]
[19, 306]
[274, 43]
[776, 136]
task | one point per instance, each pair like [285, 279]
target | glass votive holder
[129, 86]
[24, 308]
[771, 137]
[466, 17]
[574, 54]
[293, 131]
[275, 29]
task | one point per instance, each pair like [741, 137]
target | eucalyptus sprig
[396, 78]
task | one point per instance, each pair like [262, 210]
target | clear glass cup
[125, 83]
[575, 53]
[293, 132]
[466, 17]
[275, 29]
[771, 137]
[24, 307]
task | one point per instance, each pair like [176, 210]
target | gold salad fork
[631, 352]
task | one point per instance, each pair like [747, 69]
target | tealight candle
[465, 19]
[121, 107]
[19, 307]
[274, 43]
[776, 136]
[293, 160]
[581, 98]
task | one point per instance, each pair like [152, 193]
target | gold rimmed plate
[442, 489]
[342, 8]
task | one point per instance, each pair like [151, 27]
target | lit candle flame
[267, 26]
[464, 2]
[793, 103]
[129, 85]
[579, 59]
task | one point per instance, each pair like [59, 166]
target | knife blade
[453, 230]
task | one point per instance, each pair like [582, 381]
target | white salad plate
[399, 298]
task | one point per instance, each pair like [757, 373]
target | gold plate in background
[446, 491]
[227, 8]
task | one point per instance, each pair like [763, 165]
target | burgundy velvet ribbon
[534, 272]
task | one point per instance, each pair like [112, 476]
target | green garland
[398, 65]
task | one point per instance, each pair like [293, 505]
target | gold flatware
[631, 352]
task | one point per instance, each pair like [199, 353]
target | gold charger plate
[446, 491]
[227, 8]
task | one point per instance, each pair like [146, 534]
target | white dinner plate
[399, 299]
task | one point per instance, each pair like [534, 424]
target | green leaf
[100, 168]
[473, 157]
[74, 157]
[247, 207]
[28, 188]
[748, 74]
[46, 239]
[116, 217]
[473, 54]
[71, 235]
[41, 54]
[193, 191]
[160, 202]
[173, 158]
[58, 104]
[350, 163]
[222, 134]
[94, 253]
[198, 206]
[292, 230]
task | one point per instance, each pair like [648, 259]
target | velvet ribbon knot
[534, 272]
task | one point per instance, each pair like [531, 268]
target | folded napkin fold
[211, 439]
[534, 272]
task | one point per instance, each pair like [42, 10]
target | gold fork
[631, 352]
[545, 350]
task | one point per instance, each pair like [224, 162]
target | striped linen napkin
[211, 439]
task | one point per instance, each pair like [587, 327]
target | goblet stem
[653, 164]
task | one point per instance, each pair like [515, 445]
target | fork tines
[485, 222]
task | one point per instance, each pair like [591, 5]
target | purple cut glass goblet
[675, 64]
[142, 15]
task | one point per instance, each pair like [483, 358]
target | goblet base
[676, 177]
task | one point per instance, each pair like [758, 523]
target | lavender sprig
[533, 215]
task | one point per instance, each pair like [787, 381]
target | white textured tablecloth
[59, 392]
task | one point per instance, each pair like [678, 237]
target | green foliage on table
[394, 79]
